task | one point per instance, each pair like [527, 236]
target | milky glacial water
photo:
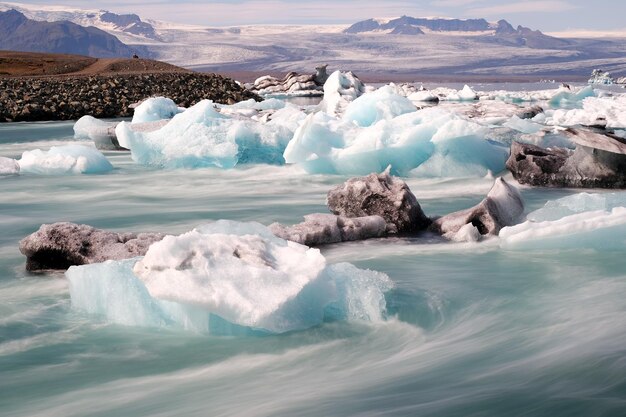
[474, 330]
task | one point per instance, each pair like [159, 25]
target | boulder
[599, 161]
[502, 207]
[320, 229]
[379, 195]
[61, 245]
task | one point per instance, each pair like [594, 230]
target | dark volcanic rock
[61, 245]
[379, 195]
[599, 161]
[321, 229]
[108, 96]
[502, 207]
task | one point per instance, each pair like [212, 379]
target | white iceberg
[567, 98]
[225, 277]
[9, 166]
[428, 142]
[465, 94]
[90, 128]
[154, 109]
[600, 230]
[607, 111]
[202, 137]
[66, 159]
[382, 104]
[340, 89]
[578, 203]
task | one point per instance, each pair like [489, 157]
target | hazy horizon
[549, 16]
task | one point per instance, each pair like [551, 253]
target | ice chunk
[9, 166]
[204, 278]
[566, 98]
[156, 108]
[523, 125]
[577, 203]
[467, 233]
[466, 94]
[439, 142]
[202, 137]
[601, 77]
[423, 96]
[609, 112]
[67, 159]
[340, 89]
[601, 230]
[382, 104]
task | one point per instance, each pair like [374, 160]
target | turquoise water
[474, 330]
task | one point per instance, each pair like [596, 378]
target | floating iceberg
[601, 77]
[227, 277]
[566, 98]
[67, 159]
[340, 89]
[382, 104]
[466, 94]
[156, 108]
[9, 166]
[578, 203]
[202, 137]
[429, 142]
[601, 230]
[609, 112]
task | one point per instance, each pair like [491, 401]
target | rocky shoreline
[106, 96]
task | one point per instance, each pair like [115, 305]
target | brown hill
[40, 64]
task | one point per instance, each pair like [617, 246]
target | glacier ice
[465, 94]
[201, 136]
[428, 142]
[155, 108]
[340, 89]
[601, 230]
[577, 203]
[607, 111]
[382, 104]
[90, 128]
[227, 276]
[9, 166]
[66, 159]
[566, 98]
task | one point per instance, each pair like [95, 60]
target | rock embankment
[105, 96]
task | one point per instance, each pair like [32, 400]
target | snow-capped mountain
[405, 45]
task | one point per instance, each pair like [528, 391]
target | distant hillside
[18, 33]
[501, 32]
[39, 64]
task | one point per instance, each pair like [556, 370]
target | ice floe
[227, 277]
[9, 166]
[66, 159]
[155, 108]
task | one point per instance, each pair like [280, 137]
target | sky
[546, 15]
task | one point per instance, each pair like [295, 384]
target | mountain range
[19, 33]
[406, 45]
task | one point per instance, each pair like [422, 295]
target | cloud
[550, 6]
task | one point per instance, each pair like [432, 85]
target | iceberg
[427, 142]
[154, 109]
[340, 89]
[601, 77]
[66, 159]
[566, 98]
[9, 166]
[226, 277]
[600, 230]
[577, 203]
[382, 104]
[466, 94]
[201, 136]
